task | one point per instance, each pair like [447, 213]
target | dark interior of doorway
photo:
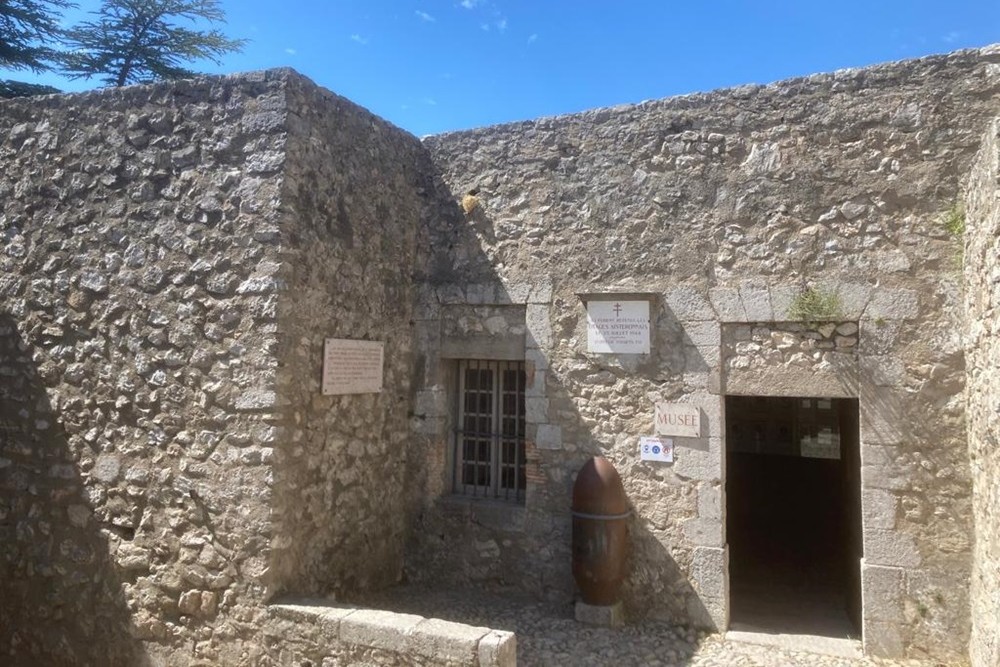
[793, 515]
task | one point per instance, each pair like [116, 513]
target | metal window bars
[489, 434]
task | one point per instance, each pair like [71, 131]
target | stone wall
[722, 207]
[134, 495]
[982, 297]
[173, 258]
[351, 206]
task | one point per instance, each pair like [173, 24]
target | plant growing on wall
[470, 202]
[954, 224]
[954, 220]
[814, 305]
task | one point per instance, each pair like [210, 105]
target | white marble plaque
[352, 366]
[678, 419]
[656, 449]
[618, 327]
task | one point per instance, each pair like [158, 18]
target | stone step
[327, 632]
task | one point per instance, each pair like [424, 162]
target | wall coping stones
[439, 640]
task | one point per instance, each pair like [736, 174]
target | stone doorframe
[873, 373]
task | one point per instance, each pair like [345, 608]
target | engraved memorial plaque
[352, 366]
[618, 327]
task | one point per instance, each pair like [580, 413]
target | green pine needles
[137, 41]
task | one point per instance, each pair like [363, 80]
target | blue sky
[439, 65]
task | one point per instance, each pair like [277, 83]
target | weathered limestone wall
[722, 206]
[350, 212]
[134, 338]
[173, 258]
[982, 297]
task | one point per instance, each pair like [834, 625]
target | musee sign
[678, 419]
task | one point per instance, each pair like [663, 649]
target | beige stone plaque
[352, 366]
[679, 419]
[618, 327]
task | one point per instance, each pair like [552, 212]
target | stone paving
[548, 636]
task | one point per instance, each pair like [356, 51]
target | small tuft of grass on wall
[470, 202]
[814, 305]
[954, 220]
[954, 223]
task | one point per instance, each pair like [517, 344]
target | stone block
[498, 649]
[536, 410]
[727, 304]
[611, 616]
[541, 292]
[892, 304]
[254, 400]
[756, 300]
[538, 358]
[882, 639]
[428, 425]
[515, 293]
[702, 358]
[854, 299]
[480, 294]
[689, 304]
[878, 337]
[327, 614]
[432, 402]
[379, 629]
[536, 319]
[890, 478]
[704, 532]
[710, 572]
[698, 458]
[447, 641]
[890, 547]
[548, 436]
[883, 418]
[708, 613]
[882, 590]
[535, 387]
[878, 508]
[703, 334]
[710, 502]
[450, 295]
[782, 298]
[882, 370]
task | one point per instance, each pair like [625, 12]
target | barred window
[489, 438]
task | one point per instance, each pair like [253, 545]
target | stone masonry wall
[136, 319]
[982, 297]
[351, 208]
[721, 207]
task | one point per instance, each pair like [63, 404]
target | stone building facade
[174, 256]
[982, 361]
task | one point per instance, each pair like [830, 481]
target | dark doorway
[793, 516]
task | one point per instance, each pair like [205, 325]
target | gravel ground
[548, 636]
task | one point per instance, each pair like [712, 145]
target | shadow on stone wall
[61, 601]
[474, 546]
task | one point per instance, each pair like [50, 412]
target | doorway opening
[793, 515]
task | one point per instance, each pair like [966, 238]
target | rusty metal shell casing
[600, 532]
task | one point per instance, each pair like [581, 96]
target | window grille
[489, 438]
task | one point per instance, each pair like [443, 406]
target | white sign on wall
[618, 327]
[352, 366]
[678, 419]
[656, 449]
